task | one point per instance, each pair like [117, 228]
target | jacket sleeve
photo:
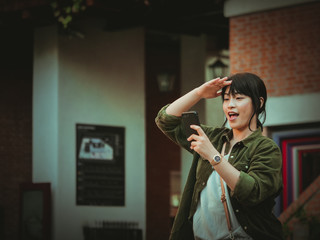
[264, 177]
[171, 126]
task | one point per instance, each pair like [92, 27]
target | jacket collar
[227, 136]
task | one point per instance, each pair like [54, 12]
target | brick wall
[16, 124]
[282, 46]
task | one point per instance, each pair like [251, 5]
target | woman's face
[238, 109]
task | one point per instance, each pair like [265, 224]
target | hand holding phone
[190, 118]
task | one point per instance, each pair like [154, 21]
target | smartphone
[190, 118]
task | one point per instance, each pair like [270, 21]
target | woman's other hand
[201, 143]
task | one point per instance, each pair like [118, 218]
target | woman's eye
[239, 96]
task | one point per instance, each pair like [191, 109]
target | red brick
[282, 42]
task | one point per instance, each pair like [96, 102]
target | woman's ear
[261, 101]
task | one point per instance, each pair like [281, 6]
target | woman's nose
[231, 103]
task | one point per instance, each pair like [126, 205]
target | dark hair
[252, 86]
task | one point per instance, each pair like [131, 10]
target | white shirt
[209, 220]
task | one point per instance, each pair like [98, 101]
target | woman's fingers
[223, 82]
[196, 137]
[220, 82]
[198, 129]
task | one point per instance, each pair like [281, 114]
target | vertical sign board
[100, 165]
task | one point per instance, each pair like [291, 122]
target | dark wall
[16, 46]
[163, 156]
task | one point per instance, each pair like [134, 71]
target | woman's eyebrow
[232, 94]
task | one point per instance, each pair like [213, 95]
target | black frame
[100, 165]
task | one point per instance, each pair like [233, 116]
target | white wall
[100, 80]
[293, 109]
[240, 7]
[45, 106]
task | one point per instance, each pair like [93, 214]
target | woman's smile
[232, 115]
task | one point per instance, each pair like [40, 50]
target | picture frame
[100, 165]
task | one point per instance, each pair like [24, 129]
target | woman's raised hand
[207, 90]
[211, 89]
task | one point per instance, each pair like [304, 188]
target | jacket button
[237, 210]
[203, 183]
[231, 156]
[245, 227]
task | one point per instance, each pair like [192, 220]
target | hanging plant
[65, 10]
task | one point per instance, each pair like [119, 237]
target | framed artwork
[35, 211]
[100, 165]
[300, 165]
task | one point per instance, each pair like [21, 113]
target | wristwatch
[216, 159]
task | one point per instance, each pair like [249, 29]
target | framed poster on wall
[100, 169]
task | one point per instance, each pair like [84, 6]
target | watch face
[217, 158]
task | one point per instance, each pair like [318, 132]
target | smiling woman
[244, 86]
[239, 164]
[243, 102]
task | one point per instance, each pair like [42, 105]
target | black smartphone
[190, 118]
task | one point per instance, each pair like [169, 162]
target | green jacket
[257, 158]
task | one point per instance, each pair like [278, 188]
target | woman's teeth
[233, 116]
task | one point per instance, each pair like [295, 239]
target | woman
[248, 163]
